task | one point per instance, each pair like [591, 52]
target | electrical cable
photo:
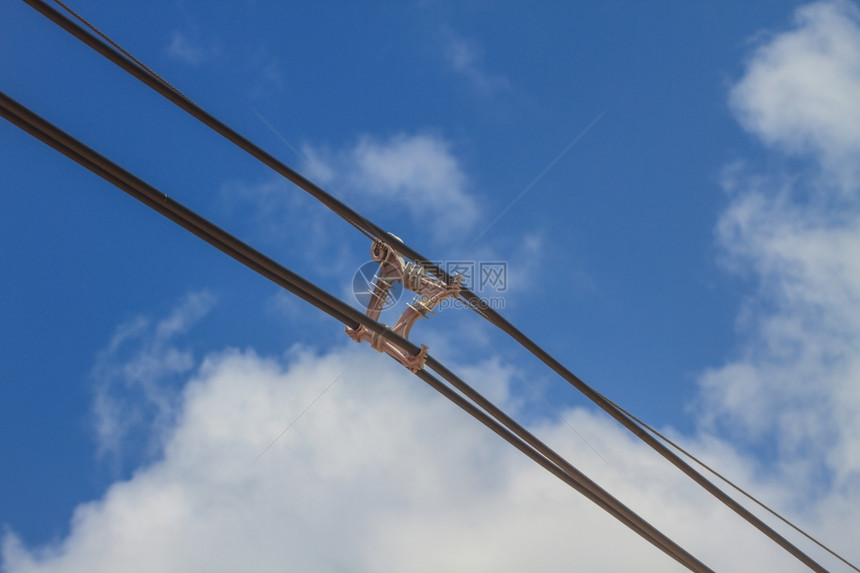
[369, 229]
[572, 477]
[122, 50]
[154, 81]
[736, 487]
[520, 438]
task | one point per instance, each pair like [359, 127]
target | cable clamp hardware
[430, 290]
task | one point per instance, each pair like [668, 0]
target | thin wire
[303, 412]
[180, 214]
[154, 81]
[539, 177]
[735, 486]
[304, 160]
[475, 302]
[677, 447]
[124, 52]
[510, 431]
[538, 394]
[616, 412]
[505, 427]
[295, 151]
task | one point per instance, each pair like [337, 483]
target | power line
[154, 81]
[371, 230]
[122, 50]
[569, 475]
[615, 411]
[737, 488]
[491, 417]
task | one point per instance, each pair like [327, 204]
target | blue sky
[691, 255]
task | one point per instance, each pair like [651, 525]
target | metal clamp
[431, 291]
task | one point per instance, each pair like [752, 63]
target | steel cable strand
[160, 202]
[369, 229]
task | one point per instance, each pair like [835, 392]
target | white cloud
[271, 204]
[383, 475]
[417, 174]
[801, 89]
[130, 375]
[266, 70]
[465, 56]
[796, 376]
[184, 48]
[261, 69]
[793, 387]
[526, 263]
[380, 475]
[288, 224]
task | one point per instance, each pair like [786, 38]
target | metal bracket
[431, 291]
